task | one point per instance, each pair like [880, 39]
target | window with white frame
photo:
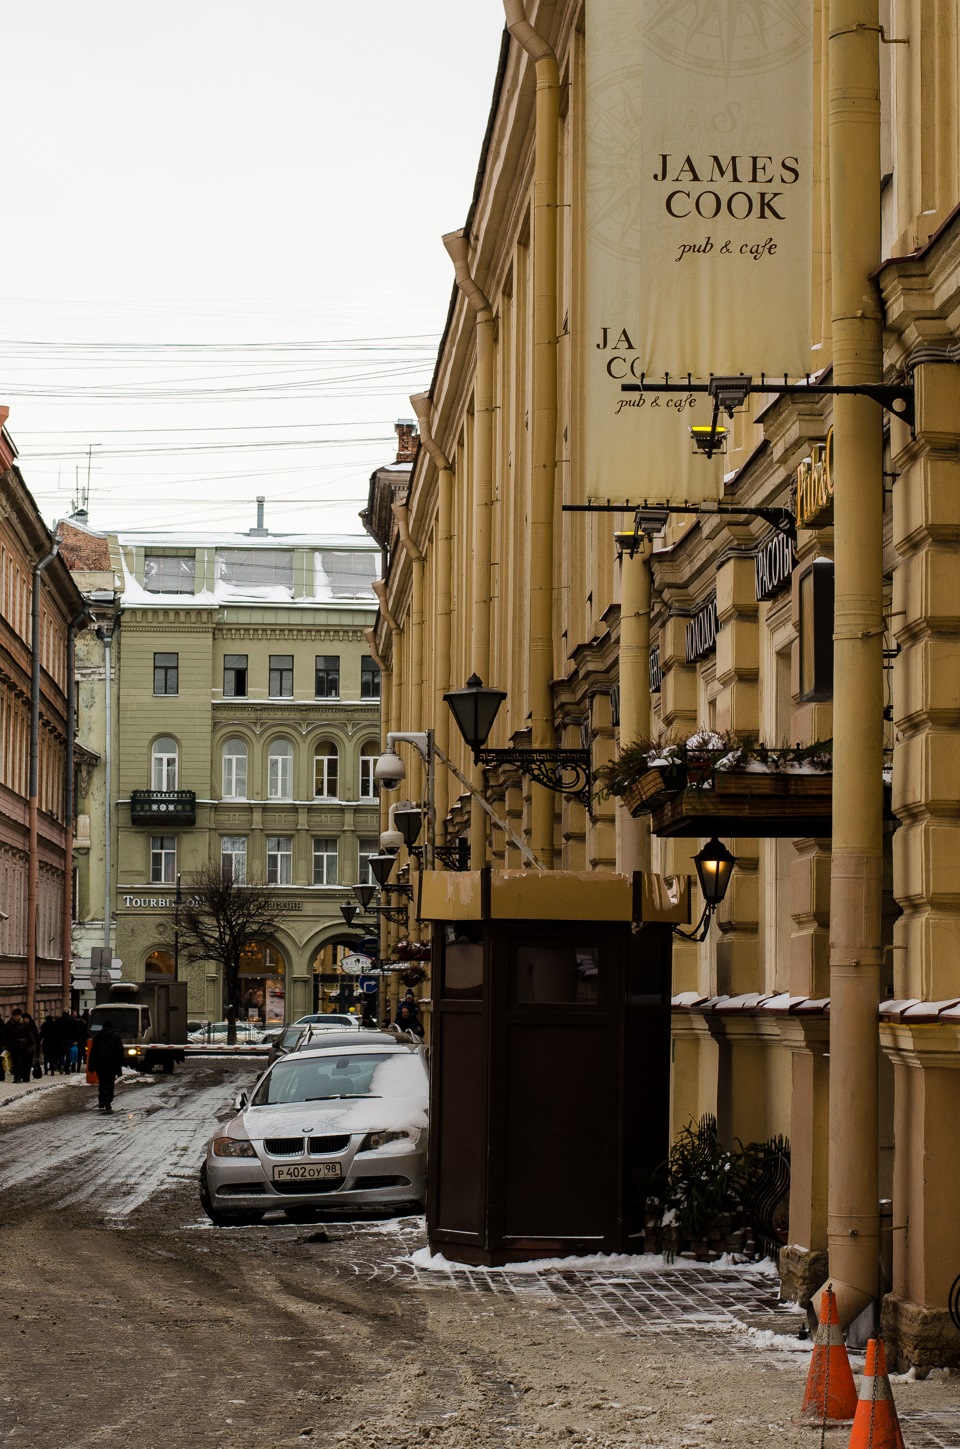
[369, 845]
[368, 759]
[169, 573]
[325, 871]
[165, 756]
[235, 770]
[280, 770]
[279, 860]
[326, 762]
[163, 860]
[233, 857]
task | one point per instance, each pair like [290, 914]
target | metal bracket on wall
[566, 771]
[454, 857]
[396, 914]
[731, 391]
[782, 519]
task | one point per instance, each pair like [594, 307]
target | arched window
[368, 759]
[159, 965]
[164, 755]
[326, 763]
[235, 770]
[280, 770]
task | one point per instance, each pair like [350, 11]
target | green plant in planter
[694, 1188]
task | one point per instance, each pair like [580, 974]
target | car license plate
[306, 1171]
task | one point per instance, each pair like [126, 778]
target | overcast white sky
[221, 240]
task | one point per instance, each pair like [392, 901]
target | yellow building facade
[490, 574]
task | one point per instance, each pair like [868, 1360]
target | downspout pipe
[371, 637]
[458, 249]
[853, 1235]
[80, 621]
[415, 635]
[420, 402]
[33, 864]
[107, 637]
[635, 599]
[379, 587]
[544, 411]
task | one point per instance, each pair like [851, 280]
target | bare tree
[217, 918]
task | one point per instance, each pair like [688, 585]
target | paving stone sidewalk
[735, 1311]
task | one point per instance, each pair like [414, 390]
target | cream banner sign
[699, 215]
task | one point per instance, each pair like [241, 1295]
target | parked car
[326, 1127]
[297, 1037]
[330, 1020]
[215, 1032]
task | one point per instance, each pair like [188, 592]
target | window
[159, 965]
[324, 861]
[369, 845]
[233, 857]
[234, 676]
[256, 568]
[164, 764]
[166, 674]
[343, 574]
[279, 859]
[325, 771]
[280, 770]
[281, 676]
[816, 631]
[169, 573]
[368, 759]
[328, 676]
[369, 679]
[235, 770]
[163, 860]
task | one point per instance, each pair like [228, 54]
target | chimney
[408, 440]
[259, 531]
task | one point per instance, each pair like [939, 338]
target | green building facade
[246, 730]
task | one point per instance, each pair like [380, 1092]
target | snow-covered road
[153, 1140]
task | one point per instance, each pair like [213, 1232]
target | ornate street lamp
[475, 708]
[714, 868]
[409, 821]
[348, 913]
[364, 894]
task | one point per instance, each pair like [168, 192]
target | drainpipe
[414, 663]
[856, 867]
[635, 594]
[107, 637]
[379, 587]
[69, 807]
[420, 402]
[33, 864]
[544, 411]
[482, 541]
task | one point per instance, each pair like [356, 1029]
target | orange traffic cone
[875, 1424]
[830, 1392]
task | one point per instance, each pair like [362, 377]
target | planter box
[784, 806]
[663, 780]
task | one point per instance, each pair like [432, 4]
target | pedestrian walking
[64, 1025]
[3, 1050]
[106, 1059]
[80, 1034]
[23, 1044]
[408, 1020]
[49, 1046]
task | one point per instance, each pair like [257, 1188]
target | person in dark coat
[408, 1020]
[80, 1033]
[3, 1048]
[106, 1059]
[23, 1044]
[49, 1046]
[64, 1025]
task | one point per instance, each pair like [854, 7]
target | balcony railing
[163, 807]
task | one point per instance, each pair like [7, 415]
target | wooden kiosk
[550, 1077]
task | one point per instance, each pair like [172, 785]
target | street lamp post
[176, 932]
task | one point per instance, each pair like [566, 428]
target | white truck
[151, 1018]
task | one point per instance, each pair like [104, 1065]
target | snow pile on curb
[593, 1262]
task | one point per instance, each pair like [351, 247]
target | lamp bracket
[396, 914]
[452, 857]
[731, 392]
[701, 930]
[782, 519]
[566, 771]
[403, 889]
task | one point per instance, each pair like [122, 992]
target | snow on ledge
[593, 1262]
